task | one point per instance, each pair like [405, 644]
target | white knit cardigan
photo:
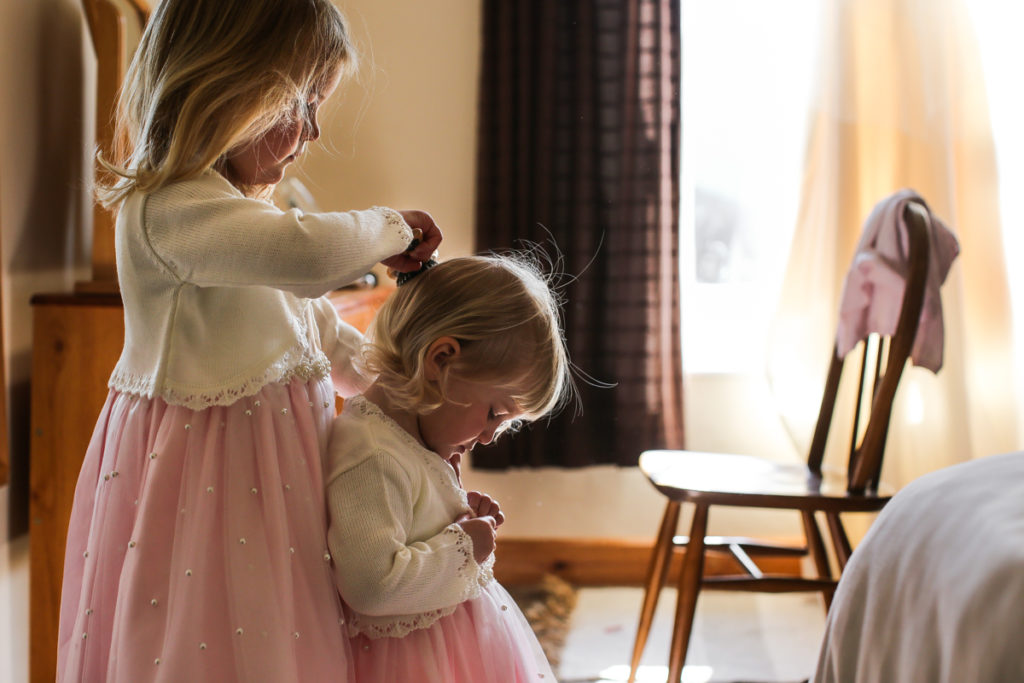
[223, 293]
[400, 561]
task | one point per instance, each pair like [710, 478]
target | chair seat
[748, 481]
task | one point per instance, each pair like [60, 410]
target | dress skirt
[196, 548]
[486, 640]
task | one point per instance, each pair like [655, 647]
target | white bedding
[935, 592]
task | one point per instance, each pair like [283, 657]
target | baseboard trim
[604, 562]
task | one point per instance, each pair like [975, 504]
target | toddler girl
[462, 351]
[195, 549]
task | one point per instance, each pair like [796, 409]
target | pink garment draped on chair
[874, 285]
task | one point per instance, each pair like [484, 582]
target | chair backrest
[882, 361]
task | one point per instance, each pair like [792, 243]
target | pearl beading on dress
[155, 602]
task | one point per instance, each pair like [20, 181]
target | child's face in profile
[471, 415]
[264, 160]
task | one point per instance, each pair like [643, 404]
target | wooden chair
[706, 479]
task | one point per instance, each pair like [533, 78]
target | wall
[403, 134]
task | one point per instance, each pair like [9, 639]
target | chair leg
[689, 586]
[661, 558]
[817, 548]
[840, 541]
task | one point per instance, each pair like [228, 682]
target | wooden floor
[737, 637]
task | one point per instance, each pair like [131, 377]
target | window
[747, 68]
[747, 80]
[997, 25]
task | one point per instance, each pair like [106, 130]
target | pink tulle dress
[191, 560]
[419, 608]
[485, 640]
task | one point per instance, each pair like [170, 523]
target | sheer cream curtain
[900, 102]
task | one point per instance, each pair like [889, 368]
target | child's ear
[439, 354]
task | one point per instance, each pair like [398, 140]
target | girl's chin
[272, 177]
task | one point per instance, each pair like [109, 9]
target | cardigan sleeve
[380, 571]
[341, 343]
[206, 233]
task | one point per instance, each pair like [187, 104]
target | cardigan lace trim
[400, 626]
[300, 362]
[393, 219]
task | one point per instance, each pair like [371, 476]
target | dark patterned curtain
[578, 143]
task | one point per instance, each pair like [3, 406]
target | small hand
[482, 532]
[429, 237]
[485, 506]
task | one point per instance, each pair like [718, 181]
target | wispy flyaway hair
[506, 317]
[210, 76]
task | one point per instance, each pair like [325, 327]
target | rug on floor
[548, 606]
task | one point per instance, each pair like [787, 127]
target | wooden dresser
[77, 340]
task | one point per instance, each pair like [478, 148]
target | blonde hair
[506, 318]
[210, 76]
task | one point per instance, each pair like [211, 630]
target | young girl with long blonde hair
[196, 544]
[461, 352]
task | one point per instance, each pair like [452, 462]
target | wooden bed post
[108, 25]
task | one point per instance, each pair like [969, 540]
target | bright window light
[653, 674]
[747, 69]
[997, 26]
[747, 77]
